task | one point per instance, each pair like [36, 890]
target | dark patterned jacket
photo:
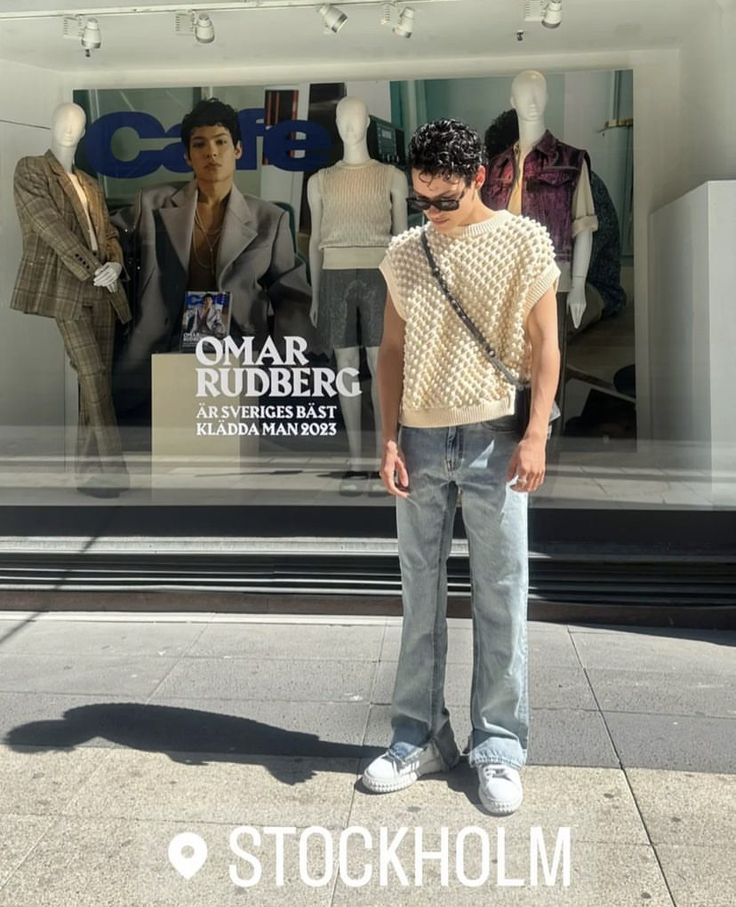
[551, 173]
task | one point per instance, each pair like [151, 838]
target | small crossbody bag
[523, 402]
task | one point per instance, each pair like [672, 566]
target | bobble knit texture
[357, 213]
[498, 270]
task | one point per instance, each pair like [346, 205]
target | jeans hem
[487, 758]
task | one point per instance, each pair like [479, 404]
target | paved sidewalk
[119, 732]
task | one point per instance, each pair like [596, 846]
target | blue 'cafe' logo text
[278, 141]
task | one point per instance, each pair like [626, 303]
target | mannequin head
[67, 125]
[352, 120]
[529, 95]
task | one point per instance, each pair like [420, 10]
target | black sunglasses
[441, 204]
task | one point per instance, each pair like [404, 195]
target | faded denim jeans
[441, 462]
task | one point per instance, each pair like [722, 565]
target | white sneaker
[388, 773]
[499, 789]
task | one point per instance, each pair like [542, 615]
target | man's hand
[528, 465]
[393, 470]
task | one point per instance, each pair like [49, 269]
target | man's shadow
[189, 736]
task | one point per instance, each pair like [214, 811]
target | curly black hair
[210, 112]
[446, 148]
[502, 133]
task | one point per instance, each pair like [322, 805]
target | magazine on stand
[206, 314]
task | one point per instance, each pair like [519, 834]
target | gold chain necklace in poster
[211, 246]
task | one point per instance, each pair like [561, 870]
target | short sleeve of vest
[545, 273]
[387, 269]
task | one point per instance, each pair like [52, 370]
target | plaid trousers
[89, 344]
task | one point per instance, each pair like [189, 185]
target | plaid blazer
[58, 264]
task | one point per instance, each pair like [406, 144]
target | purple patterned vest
[551, 173]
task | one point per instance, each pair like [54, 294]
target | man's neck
[214, 193]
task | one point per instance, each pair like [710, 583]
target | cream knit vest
[498, 269]
[356, 214]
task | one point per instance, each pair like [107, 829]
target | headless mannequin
[529, 100]
[352, 125]
[67, 128]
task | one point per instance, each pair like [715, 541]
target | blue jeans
[470, 459]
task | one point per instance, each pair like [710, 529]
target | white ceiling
[273, 38]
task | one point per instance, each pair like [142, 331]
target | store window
[233, 382]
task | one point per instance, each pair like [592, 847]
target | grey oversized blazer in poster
[255, 262]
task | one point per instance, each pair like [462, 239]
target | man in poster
[207, 236]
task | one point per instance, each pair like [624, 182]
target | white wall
[708, 133]
[31, 351]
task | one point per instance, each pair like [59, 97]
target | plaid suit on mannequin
[55, 279]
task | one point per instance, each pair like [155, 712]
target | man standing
[458, 434]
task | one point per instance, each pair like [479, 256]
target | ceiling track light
[332, 18]
[198, 24]
[86, 29]
[404, 28]
[552, 14]
[388, 13]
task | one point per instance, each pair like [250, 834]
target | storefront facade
[262, 462]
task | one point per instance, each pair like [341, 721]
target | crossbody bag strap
[488, 350]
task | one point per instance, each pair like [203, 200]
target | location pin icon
[187, 864]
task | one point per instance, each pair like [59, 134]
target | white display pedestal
[692, 326]
[174, 406]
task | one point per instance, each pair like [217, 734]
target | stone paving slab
[41, 782]
[263, 678]
[699, 876]
[125, 864]
[596, 803]
[45, 719]
[569, 737]
[19, 834]
[108, 638]
[686, 808]
[117, 675]
[658, 651]
[675, 742]
[278, 727]
[266, 790]
[618, 874]
[308, 641]
[656, 692]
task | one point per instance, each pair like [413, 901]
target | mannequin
[356, 206]
[540, 165]
[69, 271]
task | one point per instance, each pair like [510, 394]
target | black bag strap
[490, 353]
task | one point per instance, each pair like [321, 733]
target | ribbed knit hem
[339, 258]
[442, 417]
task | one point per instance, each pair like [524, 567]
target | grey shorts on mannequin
[348, 297]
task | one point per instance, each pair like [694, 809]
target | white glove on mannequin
[576, 302]
[107, 275]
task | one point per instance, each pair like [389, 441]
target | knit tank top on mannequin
[356, 214]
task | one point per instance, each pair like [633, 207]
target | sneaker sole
[388, 787]
[500, 808]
